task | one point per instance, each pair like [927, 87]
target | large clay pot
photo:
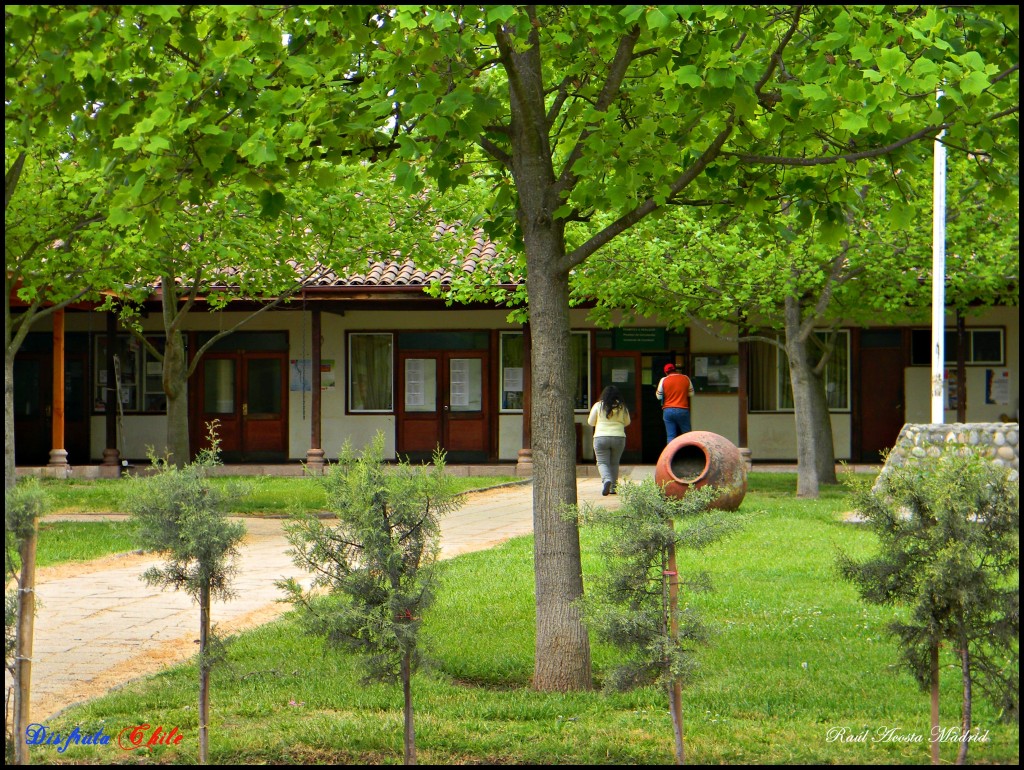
[700, 458]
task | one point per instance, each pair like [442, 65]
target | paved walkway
[98, 625]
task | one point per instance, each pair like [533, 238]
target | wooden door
[264, 406]
[246, 392]
[33, 407]
[880, 389]
[442, 401]
[622, 369]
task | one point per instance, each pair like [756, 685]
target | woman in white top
[609, 416]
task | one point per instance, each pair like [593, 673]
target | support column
[315, 455]
[961, 368]
[524, 462]
[743, 405]
[58, 454]
[111, 465]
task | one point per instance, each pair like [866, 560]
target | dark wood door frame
[466, 437]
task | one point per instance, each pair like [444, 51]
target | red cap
[670, 368]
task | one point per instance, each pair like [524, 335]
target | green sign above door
[640, 338]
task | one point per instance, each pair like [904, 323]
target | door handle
[445, 407]
[245, 410]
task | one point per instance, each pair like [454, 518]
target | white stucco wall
[917, 379]
[773, 436]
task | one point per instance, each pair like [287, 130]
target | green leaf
[656, 19]
[688, 76]
[974, 83]
[272, 204]
[852, 121]
[500, 13]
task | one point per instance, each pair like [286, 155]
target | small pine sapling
[179, 513]
[949, 537]
[634, 602]
[375, 561]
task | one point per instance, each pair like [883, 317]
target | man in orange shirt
[674, 392]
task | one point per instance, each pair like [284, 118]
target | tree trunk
[204, 674]
[175, 382]
[562, 661]
[23, 645]
[816, 462]
[965, 723]
[10, 472]
[936, 728]
[675, 688]
[562, 658]
[410, 732]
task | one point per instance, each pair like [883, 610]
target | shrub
[949, 538]
[375, 561]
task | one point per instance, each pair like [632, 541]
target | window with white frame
[512, 374]
[769, 384]
[370, 372]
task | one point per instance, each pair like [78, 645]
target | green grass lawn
[269, 496]
[797, 659]
[69, 541]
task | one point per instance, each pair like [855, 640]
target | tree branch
[875, 152]
[775, 60]
[612, 85]
[626, 221]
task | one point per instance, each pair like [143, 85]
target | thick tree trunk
[816, 462]
[175, 382]
[562, 660]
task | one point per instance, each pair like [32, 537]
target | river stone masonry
[997, 441]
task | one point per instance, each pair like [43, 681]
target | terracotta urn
[700, 458]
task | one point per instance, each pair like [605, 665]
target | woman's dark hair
[611, 399]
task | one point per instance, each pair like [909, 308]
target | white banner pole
[938, 278]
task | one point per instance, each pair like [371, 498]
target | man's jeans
[677, 422]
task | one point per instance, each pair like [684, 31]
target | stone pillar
[741, 399]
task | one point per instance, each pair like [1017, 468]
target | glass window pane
[219, 391]
[263, 382]
[465, 384]
[420, 385]
[579, 349]
[986, 346]
[621, 372]
[761, 383]
[369, 373]
[836, 376]
[512, 374]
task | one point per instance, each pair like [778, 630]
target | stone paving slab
[98, 629]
